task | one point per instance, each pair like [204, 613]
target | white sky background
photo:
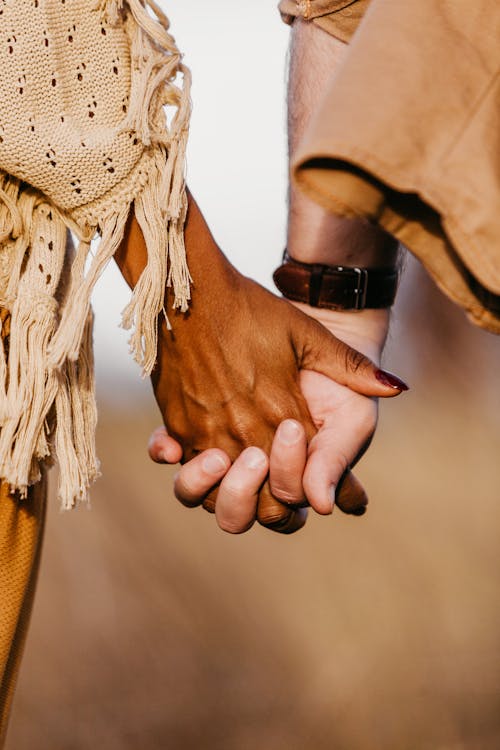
[236, 157]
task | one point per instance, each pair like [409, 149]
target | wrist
[210, 269]
[132, 255]
[336, 287]
[204, 257]
[317, 236]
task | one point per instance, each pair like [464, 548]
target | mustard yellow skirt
[21, 533]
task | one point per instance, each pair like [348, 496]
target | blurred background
[152, 629]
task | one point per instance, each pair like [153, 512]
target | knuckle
[286, 409]
[155, 444]
[177, 429]
[287, 495]
[354, 360]
[274, 516]
[236, 488]
[155, 454]
[186, 431]
[233, 525]
[157, 437]
[185, 487]
[339, 465]
[288, 525]
[281, 407]
[242, 426]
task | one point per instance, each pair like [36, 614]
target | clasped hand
[266, 409]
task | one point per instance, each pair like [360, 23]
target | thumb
[319, 350]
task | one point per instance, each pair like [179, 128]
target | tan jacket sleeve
[408, 135]
[340, 18]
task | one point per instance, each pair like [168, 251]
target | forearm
[314, 235]
[204, 256]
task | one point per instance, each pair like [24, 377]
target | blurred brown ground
[154, 630]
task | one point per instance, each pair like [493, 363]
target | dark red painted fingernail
[359, 511]
[387, 378]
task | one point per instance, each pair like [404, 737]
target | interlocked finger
[238, 493]
[287, 462]
[293, 523]
[210, 500]
[277, 516]
[199, 475]
[351, 497]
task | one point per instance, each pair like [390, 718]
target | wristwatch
[336, 287]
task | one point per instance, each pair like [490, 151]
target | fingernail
[387, 378]
[332, 496]
[359, 511]
[289, 432]
[253, 458]
[213, 463]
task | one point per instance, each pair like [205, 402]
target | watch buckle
[361, 288]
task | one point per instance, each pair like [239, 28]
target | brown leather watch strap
[336, 287]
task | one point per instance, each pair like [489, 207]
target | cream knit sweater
[83, 136]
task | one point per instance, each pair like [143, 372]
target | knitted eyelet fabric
[84, 136]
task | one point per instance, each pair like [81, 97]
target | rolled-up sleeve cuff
[309, 9]
[340, 18]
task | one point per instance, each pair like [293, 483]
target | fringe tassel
[76, 420]
[147, 298]
[75, 405]
[12, 241]
[11, 224]
[162, 207]
[48, 377]
[35, 389]
[27, 201]
[4, 334]
[83, 406]
[66, 343]
[110, 9]
[157, 30]
[32, 385]
[11, 227]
